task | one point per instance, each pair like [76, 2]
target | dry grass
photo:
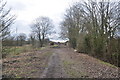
[26, 65]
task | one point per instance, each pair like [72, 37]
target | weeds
[107, 64]
[6, 51]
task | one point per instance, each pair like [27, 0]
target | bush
[87, 44]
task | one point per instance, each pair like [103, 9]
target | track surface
[59, 62]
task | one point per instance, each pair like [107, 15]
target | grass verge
[29, 65]
[108, 64]
[72, 72]
[10, 51]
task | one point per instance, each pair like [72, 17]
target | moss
[76, 74]
[43, 48]
[67, 63]
[72, 72]
[107, 64]
[32, 71]
[18, 77]
[48, 54]
[54, 46]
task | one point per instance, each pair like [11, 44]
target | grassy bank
[15, 50]
[30, 64]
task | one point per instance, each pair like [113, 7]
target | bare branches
[42, 26]
[6, 20]
[91, 26]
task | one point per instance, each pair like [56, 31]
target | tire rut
[54, 69]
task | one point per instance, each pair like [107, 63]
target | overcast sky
[27, 10]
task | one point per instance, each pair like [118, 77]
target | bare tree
[21, 38]
[91, 27]
[6, 20]
[42, 27]
[73, 24]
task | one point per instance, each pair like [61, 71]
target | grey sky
[28, 10]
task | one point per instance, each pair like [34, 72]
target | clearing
[56, 62]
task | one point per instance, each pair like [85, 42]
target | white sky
[28, 10]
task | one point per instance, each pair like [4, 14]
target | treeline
[41, 28]
[6, 21]
[18, 40]
[92, 27]
[15, 43]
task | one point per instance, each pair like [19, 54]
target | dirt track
[68, 64]
[60, 62]
[54, 69]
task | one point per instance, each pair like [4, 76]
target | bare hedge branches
[91, 27]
